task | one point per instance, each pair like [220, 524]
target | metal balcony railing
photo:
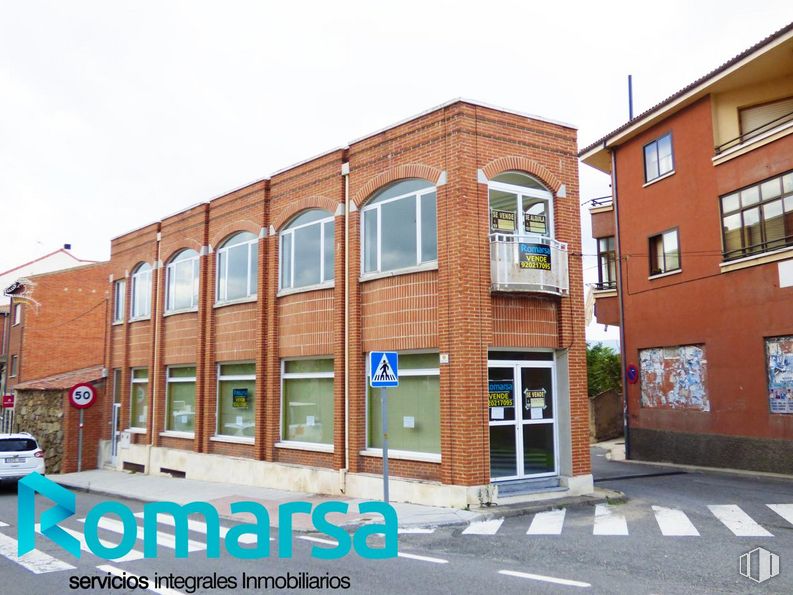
[604, 285]
[528, 263]
[751, 134]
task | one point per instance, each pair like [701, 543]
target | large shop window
[414, 410]
[758, 218]
[236, 399]
[307, 401]
[237, 268]
[779, 357]
[119, 289]
[141, 292]
[520, 205]
[658, 158]
[182, 283]
[139, 398]
[664, 253]
[180, 401]
[400, 227]
[307, 250]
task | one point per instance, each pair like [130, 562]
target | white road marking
[163, 539]
[674, 522]
[608, 521]
[2, 524]
[36, 561]
[737, 521]
[132, 555]
[199, 527]
[400, 554]
[488, 527]
[416, 530]
[119, 572]
[549, 522]
[783, 510]
[546, 579]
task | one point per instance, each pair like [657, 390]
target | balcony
[528, 263]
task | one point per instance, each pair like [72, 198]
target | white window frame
[119, 300]
[232, 378]
[132, 383]
[137, 277]
[521, 192]
[170, 280]
[221, 285]
[290, 231]
[17, 314]
[179, 380]
[431, 189]
[663, 235]
[321, 446]
[14, 366]
[415, 455]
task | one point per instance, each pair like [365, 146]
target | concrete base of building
[712, 450]
[318, 480]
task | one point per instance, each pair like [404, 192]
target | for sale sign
[8, 401]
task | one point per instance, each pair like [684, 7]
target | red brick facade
[63, 323]
[448, 309]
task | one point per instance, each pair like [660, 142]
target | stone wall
[40, 412]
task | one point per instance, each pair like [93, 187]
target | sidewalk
[153, 488]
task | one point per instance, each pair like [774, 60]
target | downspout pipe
[620, 296]
[345, 172]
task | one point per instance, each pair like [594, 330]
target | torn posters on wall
[674, 377]
[779, 351]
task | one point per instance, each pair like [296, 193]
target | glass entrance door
[521, 406]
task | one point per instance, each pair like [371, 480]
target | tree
[603, 369]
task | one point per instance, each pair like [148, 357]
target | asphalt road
[616, 549]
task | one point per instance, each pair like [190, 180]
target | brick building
[240, 326]
[696, 263]
[57, 323]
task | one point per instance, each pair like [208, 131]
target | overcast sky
[114, 114]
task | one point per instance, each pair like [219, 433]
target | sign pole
[384, 410]
[80, 443]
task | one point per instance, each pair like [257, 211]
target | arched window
[399, 227]
[520, 205]
[141, 291]
[182, 282]
[307, 250]
[237, 267]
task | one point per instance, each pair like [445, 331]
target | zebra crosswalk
[40, 562]
[613, 520]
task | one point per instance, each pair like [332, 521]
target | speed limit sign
[82, 395]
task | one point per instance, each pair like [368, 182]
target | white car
[20, 455]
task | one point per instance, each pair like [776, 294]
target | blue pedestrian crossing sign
[383, 369]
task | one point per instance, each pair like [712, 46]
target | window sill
[182, 311]
[404, 455]
[311, 446]
[233, 439]
[175, 434]
[245, 300]
[659, 178]
[140, 318]
[666, 274]
[427, 266]
[757, 259]
[117, 322]
[293, 290]
[135, 430]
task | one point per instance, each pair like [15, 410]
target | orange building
[240, 327]
[696, 264]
